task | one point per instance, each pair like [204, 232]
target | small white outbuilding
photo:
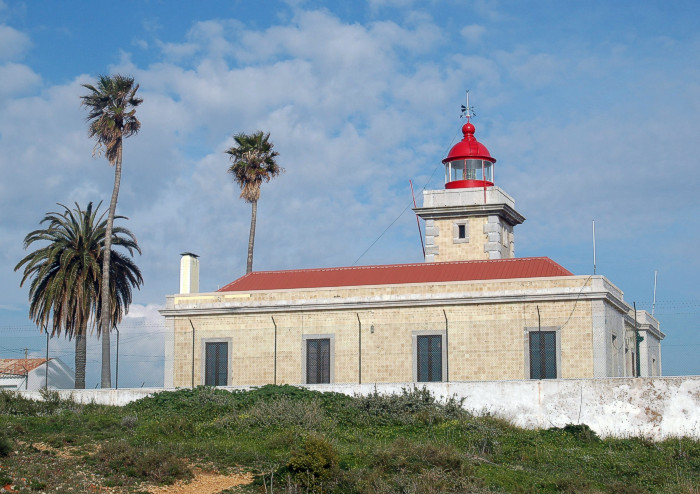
[30, 374]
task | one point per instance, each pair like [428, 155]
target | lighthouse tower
[471, 218]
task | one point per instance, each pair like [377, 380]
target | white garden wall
[656, 408]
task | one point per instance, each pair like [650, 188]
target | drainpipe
[637, 339]
[359, 349]
[447, 348]
[190, 320]
[275, 358]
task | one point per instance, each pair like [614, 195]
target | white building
[30, 374]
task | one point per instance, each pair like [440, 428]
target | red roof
[398, 274]
[468, 147]
[19, 366]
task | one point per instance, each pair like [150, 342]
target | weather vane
[467, 111]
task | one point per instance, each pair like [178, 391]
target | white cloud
[473, 32]
[537, 70]
[17, 80]
[355, 110]
[13, 43]
[379, 4]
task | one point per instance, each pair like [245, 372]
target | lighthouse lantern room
[469, 163]
[471, 218]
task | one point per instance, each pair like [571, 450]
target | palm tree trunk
[106, 381]
[251, 238]
[80, 358]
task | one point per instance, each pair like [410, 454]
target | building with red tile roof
[472, 311]
[30, 374]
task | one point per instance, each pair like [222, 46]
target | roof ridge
[527, 267]
[384, 266]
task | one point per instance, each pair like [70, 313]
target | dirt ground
[204, 483]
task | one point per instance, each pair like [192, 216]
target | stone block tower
[471, 219]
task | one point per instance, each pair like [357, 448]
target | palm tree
[66, 272]
[111, 106]
[253, 162]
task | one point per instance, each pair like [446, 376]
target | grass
[303, 441]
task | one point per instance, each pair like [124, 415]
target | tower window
[460, 232]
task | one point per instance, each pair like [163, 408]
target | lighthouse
[471, 218]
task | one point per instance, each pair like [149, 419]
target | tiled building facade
[473, 311]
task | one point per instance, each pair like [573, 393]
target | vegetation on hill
[296, 440]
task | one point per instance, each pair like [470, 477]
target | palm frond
[252, 163]
[65, 274]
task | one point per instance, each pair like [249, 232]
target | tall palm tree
[66, 273]
[253, 162]
[111, 106]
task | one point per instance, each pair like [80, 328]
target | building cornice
[368, 303]
[447, 212]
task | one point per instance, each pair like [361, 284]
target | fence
[364, 348]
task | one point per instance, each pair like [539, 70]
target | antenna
[653, 304]
[468, 111]
[594, 247]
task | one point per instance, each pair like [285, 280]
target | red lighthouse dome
[469, 163]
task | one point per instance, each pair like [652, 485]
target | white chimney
[189, 273]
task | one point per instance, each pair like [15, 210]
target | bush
[412, 406]
[157, 465]
[284, 412]
[314, 462]
[407, 456]
[6, 446]
[580, 431]
[51, 403]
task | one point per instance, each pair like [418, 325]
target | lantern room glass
[469, 169]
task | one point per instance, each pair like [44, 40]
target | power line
[407, 206]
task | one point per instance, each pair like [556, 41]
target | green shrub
[51, 403]
[580, 431]
[424, 482]
[412, 406]
[6, 446]
[129, 421]
[404, 455]
[285, 412]
[314, 462]
[145, 463]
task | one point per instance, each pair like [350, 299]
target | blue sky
[590, 109]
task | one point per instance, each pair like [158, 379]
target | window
[318, 359]
[543, 358]
[216, 363]
[429, 356]
[471, 169]
[543, 353]
[460, 232]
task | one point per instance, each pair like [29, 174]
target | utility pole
[26, 370]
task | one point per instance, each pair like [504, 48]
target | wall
[486, 341]
[60, 376]
[444, 246]
[656, 408]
